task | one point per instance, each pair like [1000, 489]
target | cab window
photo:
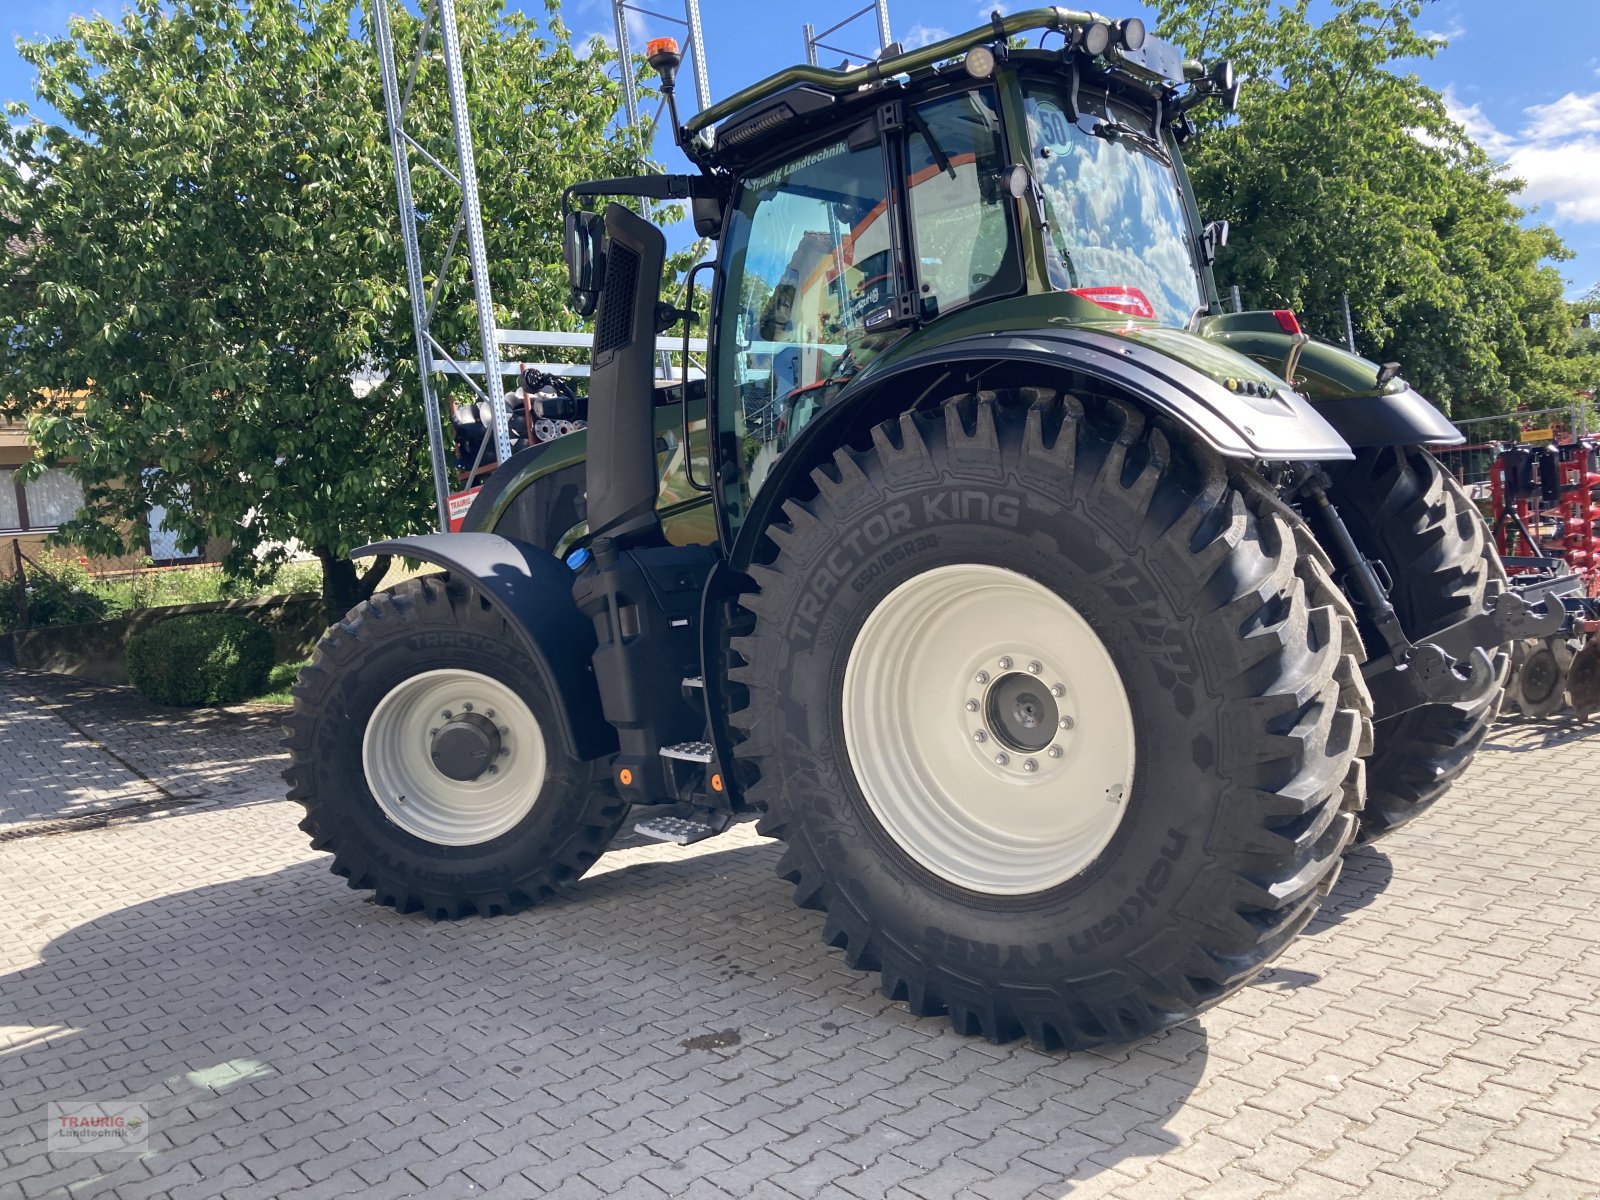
[807, 300]
[961, 226]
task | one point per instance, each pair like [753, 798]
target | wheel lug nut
[1057, 690]
[433, 733]
[1029, 765]
[979, 735]
[1066, 722]
[982, 677]
[1035, 667]
[493, 770]
[489, 712]
[1002, 759]
[1005, 662]
[466, 708]
[447, 714]
[1054, 752]
[505, 753]
[504, 730]
[972, 706]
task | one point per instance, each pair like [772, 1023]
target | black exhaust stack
[622, 455]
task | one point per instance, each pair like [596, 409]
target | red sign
[460, 502]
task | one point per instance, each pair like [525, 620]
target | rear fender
[533, 591]
[1280, 427]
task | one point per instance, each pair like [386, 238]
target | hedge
[204, 658]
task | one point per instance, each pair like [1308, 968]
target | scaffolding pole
[439, 21]
[814, 42]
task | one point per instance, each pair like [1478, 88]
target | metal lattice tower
[814, 40]
[439, 32]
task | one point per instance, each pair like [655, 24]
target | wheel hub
[466, 747]
[1021, 712]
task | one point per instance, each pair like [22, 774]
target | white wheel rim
[953, 783]
[416, 794]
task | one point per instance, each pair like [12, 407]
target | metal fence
[1473, 462]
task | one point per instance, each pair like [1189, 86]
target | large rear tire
[424, 746]
[1403, 508]
[1054, 579]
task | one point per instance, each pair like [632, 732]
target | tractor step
[699, 752]
[675, 829]
[694, 681]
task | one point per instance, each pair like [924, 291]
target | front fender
[532, 589]
[1403, 418]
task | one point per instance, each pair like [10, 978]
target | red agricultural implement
[1543, 503]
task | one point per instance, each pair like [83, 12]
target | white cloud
[1452, 32]
[1556, 153]
[924, 35]
[1478, 126]
[1560, 118]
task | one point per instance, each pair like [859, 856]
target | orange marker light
[625, 777]
[657, 45]
[716, 782]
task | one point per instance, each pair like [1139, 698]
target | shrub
[57, 594]
[205, 658]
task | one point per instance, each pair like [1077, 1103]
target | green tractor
[1066, 628]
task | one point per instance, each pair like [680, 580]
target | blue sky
[1525, 81]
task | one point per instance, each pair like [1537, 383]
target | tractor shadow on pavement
[1366, 875]
[674, 1012]
[1519, 735]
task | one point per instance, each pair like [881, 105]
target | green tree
[1342, 175]
[205, 248]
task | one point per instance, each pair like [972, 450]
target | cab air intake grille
[616, 302]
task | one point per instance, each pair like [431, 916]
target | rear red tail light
[1129, 300]
[1287, 321]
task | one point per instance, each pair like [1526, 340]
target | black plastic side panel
[621, 454]
[644, 608]
[1400, 419]
[533, 590]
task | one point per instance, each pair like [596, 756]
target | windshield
[1119, 231]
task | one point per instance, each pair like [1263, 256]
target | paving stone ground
[674, 1026]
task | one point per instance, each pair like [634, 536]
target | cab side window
[960, 212]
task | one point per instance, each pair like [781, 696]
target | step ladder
[684, 831]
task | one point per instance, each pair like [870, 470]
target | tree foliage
[203, 251]
[1341, 174]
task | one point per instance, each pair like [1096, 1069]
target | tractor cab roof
[746, 125]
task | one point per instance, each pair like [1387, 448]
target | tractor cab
[868, 214]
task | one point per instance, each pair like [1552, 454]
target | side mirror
[1213, 236]
[584, 248]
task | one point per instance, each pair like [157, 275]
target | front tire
[1169, 599]
[1403, 508]
[424, 746]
